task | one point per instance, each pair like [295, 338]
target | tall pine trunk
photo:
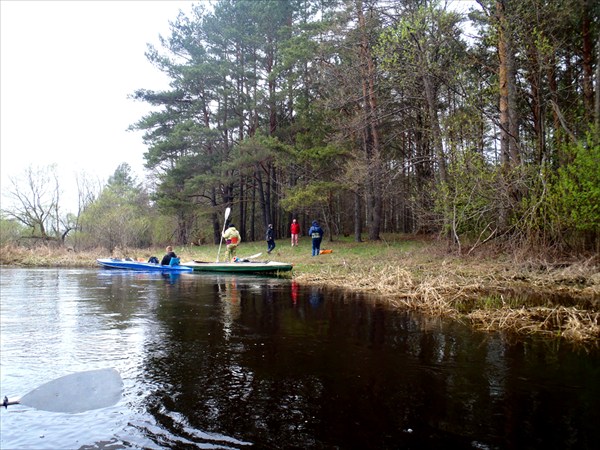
[509, 152]
[371, 138]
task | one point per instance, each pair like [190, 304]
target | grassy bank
[524, 295]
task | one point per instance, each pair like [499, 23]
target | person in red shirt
[295, 231]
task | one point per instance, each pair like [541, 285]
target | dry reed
[570, 323]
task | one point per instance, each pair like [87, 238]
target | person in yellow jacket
[232, 239]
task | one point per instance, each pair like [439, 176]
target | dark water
[243, 362]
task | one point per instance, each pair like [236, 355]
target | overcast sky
[67, 68]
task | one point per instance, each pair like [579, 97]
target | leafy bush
[562, 208]
[578, 189]
[10, 231]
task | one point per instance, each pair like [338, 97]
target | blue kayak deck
[124, 264]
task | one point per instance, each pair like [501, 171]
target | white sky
[66, 69]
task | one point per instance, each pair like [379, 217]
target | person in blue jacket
[316, 234]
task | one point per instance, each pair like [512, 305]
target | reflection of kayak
[114, 263]
[239, 266]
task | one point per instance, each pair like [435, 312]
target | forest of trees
[377, 116]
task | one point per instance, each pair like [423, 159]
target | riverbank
[513, 293]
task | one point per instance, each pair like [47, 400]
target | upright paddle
[227, 212]
[74, 393]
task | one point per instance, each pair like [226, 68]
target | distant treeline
[381, 116]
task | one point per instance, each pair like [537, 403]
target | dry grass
[517, 294]
[46, 256]
[570, 323]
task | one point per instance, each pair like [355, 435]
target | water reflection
[230, 299]
[216, 361]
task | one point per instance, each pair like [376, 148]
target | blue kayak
[125, 264]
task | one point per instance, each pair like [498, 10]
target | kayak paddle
[227, 211]
[74, 393]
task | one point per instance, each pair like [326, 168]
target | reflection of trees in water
[293, 366]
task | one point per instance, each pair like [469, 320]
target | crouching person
[232, 239]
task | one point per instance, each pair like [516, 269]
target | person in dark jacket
[270, 238]
[316, 234]
[166, 260]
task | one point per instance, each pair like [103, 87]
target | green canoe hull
[239, 267]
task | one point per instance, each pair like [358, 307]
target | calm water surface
[230, 362]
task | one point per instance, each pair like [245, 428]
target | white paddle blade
[77, 392]
[227, 212]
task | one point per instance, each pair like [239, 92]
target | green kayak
[239, 266]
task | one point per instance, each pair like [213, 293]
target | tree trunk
[434, 123]
[597, 106]
[553, 86]
[262, 197]
[509, 153]
[588, 56]
[371, 132]
[253, 212]
[216, 227]
[503, 82]
[535, 82]
[357, 217]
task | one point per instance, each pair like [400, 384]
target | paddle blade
[77, 392]
[227, 212]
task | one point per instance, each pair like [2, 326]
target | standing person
[316, 234]
[270, 239]
[232, 239]
[295, 231]
[166, 260]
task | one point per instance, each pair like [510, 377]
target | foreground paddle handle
[6, 402]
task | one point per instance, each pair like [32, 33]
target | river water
[230, 362]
